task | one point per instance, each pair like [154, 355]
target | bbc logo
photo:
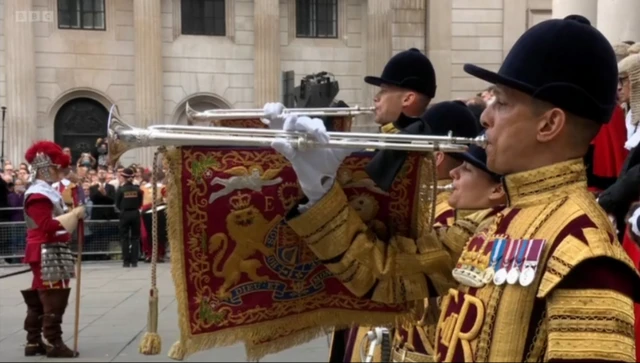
[34, 16]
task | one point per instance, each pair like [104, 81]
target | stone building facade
[64, 63]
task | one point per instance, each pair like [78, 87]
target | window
[203, 17]
[81, 14]
[316, 18]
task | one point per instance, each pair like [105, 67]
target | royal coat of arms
[241, 274]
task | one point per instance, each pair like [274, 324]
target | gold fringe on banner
[314, 321]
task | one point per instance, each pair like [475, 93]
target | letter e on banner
[268, 204]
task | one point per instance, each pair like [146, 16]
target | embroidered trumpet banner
[241, 274]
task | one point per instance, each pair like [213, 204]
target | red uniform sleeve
[40, 209]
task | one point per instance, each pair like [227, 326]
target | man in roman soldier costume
[49, 225]
[546, 280]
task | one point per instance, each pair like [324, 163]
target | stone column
[148, 69]
[438, 46]
[20, 70]
[586, 8]
[618, 20]
[266, 62]
[379, 17]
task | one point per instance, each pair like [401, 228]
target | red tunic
[39, 208]
[609, 152]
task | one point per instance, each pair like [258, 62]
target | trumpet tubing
[123, 137]
[245, 114]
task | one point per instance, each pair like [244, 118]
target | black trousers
[130, 235]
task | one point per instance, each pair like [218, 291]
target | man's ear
[408, 98]
[497, 194]
[439, 156]
[551, 125]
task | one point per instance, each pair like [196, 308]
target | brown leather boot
[55, 302]
[33, 324]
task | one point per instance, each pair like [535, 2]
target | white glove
[273, 115]
[316, 168]
[633, 221]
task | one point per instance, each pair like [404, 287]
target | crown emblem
[240, 201]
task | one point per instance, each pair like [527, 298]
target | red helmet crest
[46, 153]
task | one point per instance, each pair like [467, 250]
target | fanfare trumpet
[122, 137]
[245, 114]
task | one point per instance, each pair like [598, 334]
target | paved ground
[113, 319]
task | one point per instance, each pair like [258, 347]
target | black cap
[477, 156]
[127, 173]
[440, 119]
[451, 117]
[566, 62]
[409, 69]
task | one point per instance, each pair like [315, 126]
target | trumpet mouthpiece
[480, 141]
[445, 188]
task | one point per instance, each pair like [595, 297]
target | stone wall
[72, 63]
[222, 71]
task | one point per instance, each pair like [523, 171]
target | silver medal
[513, 275]
[488, 275]
[500, 277]
[527, 276]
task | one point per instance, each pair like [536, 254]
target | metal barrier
[101, 236]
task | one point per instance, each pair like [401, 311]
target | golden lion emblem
[248, 228]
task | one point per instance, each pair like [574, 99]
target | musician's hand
[317, 167]
[273, 115]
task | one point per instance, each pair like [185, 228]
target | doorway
[78, 125]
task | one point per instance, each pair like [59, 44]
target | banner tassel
[177, 351]
[151, 343]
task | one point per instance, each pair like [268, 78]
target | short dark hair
[583, 129]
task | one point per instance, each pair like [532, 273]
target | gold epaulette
[571, 251]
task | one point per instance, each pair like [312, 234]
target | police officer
[129, 202]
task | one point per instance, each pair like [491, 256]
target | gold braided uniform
[578, 307]
[444, 217]
[418, 336]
